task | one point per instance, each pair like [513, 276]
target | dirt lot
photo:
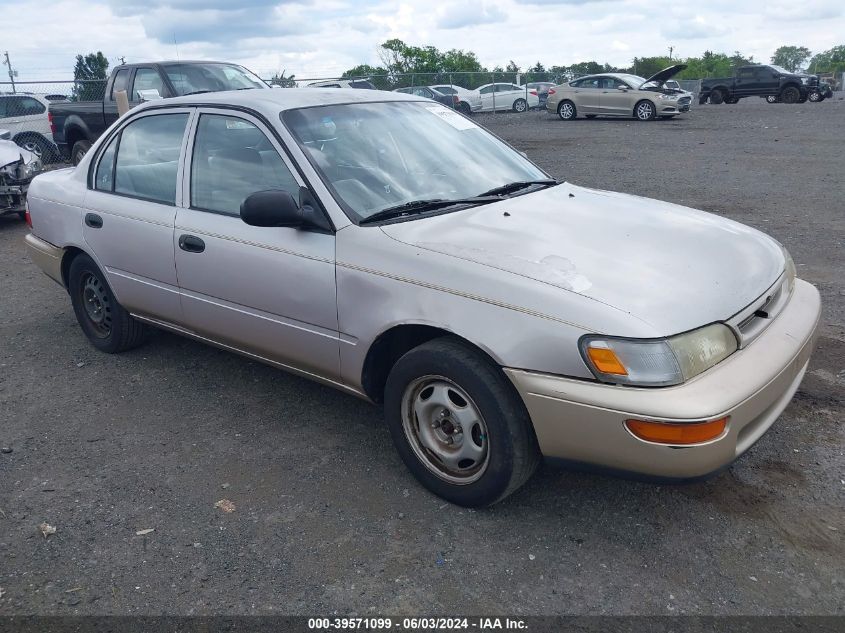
[327, 519]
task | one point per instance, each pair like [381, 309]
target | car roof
[271, 102]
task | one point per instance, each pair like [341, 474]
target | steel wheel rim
[644, 111]
[814, 96]
[566, 111]
[445, 429]
[95, 301]
[520, 105]
[32, 146]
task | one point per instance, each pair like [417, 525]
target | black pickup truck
[758, 80]
[76, 125]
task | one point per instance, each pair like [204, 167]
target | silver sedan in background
[390, 247]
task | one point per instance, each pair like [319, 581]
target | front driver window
[233, 159]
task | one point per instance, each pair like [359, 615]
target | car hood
[672, 267]
[666, 73]
[11, 153]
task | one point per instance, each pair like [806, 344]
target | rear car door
[267, 291]
[744, 83]
[131, 204]
[488, 97]
[588, 96]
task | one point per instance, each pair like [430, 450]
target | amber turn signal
[606, 361]
[677, 433]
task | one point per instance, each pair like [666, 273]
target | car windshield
[781, 70]
[192, 78]
[375, 156]
[635, 81]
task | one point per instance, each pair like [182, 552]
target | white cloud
[323, 38]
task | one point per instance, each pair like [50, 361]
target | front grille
[750, 322]
[684, 100]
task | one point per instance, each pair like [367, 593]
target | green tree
[791, 57]
[279, 79]
[376, 74]
[829, 61]
[455, 60]
[537, 68]
[90, 74]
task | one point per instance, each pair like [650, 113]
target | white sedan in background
[504, 96]
[470, 100]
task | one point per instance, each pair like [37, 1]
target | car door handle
[191, 244]
[93, 220]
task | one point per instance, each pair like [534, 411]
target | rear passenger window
[232, 159]
[104, 180]
[148, 157]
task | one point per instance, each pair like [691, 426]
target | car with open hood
[619, 95]
[388, 246]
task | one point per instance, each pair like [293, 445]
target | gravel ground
[327, 519]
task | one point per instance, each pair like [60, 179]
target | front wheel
[458, 423]
[790, 94]
[463, 108]
[520, 105]
[108, 326]
[772, 99]
[566, 110]
[80, 148]
[39, 146]
[645, 111]
[717, 97]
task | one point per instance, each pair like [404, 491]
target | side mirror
[151, 94]
[625, 88]
[278, 208]
[271, 208]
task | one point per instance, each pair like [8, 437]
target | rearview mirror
[271, 208]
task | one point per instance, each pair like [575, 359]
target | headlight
[803, 80]
[668, 97]
[31, 168]
[789, 268]
[660, 362]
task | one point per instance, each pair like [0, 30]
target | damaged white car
[17, 169]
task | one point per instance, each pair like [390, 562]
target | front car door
[488, 97]
[745, 80]
[617, 97]
[269, 292]
[131, 203]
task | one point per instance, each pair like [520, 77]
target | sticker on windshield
[451, 117]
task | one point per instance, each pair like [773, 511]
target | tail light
[551, 91]
[455, 100]
[27, 217]
[533, 92]
[50, 120]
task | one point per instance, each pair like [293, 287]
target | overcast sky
[321, 38]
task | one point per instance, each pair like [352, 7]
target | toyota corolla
[390, 247]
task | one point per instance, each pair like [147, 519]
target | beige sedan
[619, 95]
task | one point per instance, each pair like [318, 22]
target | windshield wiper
[196, 92]
[516, 186]
[415, 207]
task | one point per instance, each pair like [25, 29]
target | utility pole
[671, 48]
[12, 73]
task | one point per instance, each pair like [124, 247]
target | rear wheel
[80, 148]
[566, 110]
[772, 99]
[815, 96]
[108, 326]
[790, 94]
[645, 110]
[458, 424]
[520, 105]
[464, 108]
[38, 145]
[717, 97]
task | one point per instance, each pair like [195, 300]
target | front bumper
[46, 256]
[583, 422]
[13, 198]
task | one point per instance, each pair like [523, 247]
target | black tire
[566, 110]
[645, 110]
[80, 148]
[732, 100]
[790, 94]
[22, 215]
[464, 108]
[520, 105]
[512, 454]
[591, 116]
[717, 96]
[38, 145]
[803, 99]
[116, 330]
